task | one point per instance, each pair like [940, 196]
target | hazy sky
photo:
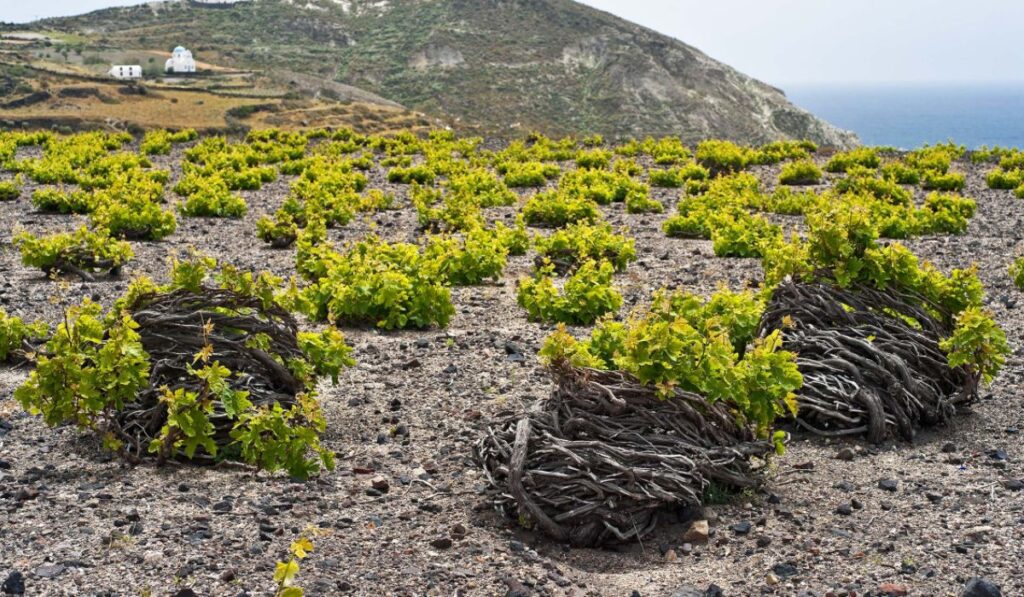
[817, 41]
[21, 11]
[798, 41]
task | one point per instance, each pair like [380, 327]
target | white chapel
[181, 61]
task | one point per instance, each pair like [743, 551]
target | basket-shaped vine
[871, 360]
[207, 368]
[604, 455]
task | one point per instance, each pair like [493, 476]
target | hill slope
[550, 65]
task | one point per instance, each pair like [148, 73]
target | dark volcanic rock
[888, 484]
[742, 528]
[14, 584]
[979, 587]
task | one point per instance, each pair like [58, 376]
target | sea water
[908, 116]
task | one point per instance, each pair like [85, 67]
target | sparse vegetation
[864, 157]
[578, 243]
[1017, 272]
[17, 338]
[82, 252]
[804, 172]
[558, 208]
[951, 181]
[213, 199]
[528, 174]
[387, 285]
[63, 201]
[587, 295]
[435, 244]
[10, 190]
[722, 156]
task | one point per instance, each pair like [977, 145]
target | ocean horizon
[910, 115]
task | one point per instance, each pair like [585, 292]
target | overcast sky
[798, 41]
[22, 11]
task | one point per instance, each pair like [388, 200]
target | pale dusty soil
[80, 535]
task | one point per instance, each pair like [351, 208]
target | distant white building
[125, 72]
[181, 61]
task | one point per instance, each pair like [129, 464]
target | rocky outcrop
[561, 67]
[436, 57]
[499, 67]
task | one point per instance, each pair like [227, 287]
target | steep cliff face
[499, 66]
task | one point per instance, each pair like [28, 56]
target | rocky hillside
[496, 66]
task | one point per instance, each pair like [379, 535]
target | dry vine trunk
[868, 369]
[283, 242]
[604, 455]
[83, 264]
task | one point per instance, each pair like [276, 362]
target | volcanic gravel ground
[73, 521]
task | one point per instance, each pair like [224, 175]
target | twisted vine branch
[870, 359]
[604, 455]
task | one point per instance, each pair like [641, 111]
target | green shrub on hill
[600, 186]
[10, 190]
[935, 158]
[82, 252]
[722, 156]
[1004, 179]
[862, 181]
[778, 151]
[667, 151]
[676, 177]
[477, 256]
[742, 235]
[279, 231]
[1017, 272]
[515, 238]
[577, 243]
[841, 248]
[803, 172]
[440, 211]
[528, 174]
[419, 174]
[866, 157]
[213, 199]
[784, 200]
[159, 142]
[900, 173]
[390, 286]
[638, 201]
[556, 209]
[586, 296]
[486, 189]
[17, 338]
[595, 159]
[627, 167]
[986, 154]
[63, 201]
[950, 181]
[99, 371]
[134, 218]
